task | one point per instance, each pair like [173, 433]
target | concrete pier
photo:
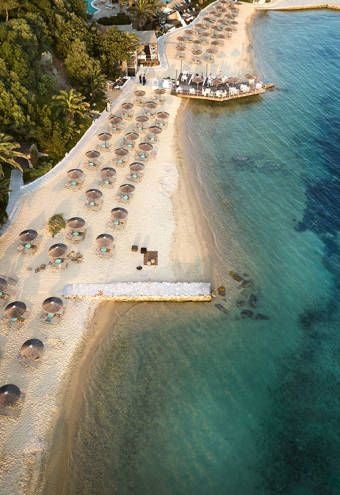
[141, 291]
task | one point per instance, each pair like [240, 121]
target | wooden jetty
[199, 96]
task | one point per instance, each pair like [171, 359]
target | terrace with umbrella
[104, 245]
[121, 156]
[9, 395]
[136, 172]
[144, 151]
[28, 241]
[57, 254]
[93, 159]
[75, 229]
[15, 313]
[118, 218]
[75, 179]
[125, 193]
[52, 310]
[94, 199]
[31, 350]
[107, 177]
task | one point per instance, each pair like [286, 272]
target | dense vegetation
[54, 63]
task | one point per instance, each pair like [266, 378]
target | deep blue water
[187, 399]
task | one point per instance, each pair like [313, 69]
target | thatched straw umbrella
[115, 120]
[119, 217]
[216, 42]
[104, 244]
[144, 148]
[93, 198]
[76, 228]
[130, 138]
[139, 93]
[151, 105]
[57, 253]
[93, 157]
[126, 107]
[189, 32]
[163, 115]
[121, 154]
[53, 305]
[105, 136]
[126, 192]
[180, 48]
[75, 177]
[15, 311]
[136, 171]
[233, 80]
[181, 39]
[155, 129]
[108, 176]
[141, 119]
[26, 240]
[32, 350]
[159, 92]
[196, 52]
[9, 395]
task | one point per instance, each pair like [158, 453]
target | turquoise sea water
[90, 9]
[186, 399]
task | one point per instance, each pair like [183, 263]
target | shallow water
[187, 399]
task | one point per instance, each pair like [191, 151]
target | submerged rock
[253, 300]
[246, 313]
[240, 303]
[221, 308]
[221, 290]
[260, 316]
[236, 276]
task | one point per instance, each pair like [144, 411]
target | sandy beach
[164, 215]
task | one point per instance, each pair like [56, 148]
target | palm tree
[71, 103]
[9, 152]
[7, 5]
[144, 11]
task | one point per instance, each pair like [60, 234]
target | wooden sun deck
[200, 96]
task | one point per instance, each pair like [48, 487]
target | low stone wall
[141, 291]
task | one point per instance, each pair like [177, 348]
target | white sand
[161, 217]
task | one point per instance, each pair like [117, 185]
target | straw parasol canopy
[126, 188]
[142, 118]
[197, 79]
[92, 154]
[104, 240]
[75, 223]
[232, 80]
[180, 48]
[250, 76]
[57, 250]
[211, 50]
[159, 91]
[104, 136]
[216, 42]
[75, 174]
[198, 25]
[132, 136]
[93, 194]
[28, 235]
[52, 305]
[15, 310]
[108, 172]
[121, 151]
[115, 119]
[216, 82]
[127, 106]
[163, 115]
[136, 167]
[154, 129]
[9, 395]
[208, 19]
[139, 93]
[145, 146]
[197, 51]
[190, 32]
[3, 284]
[181, 39]
[197, 42]
[151, 105]
[32, 349]
[119, 214]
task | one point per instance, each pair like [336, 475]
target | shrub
[116, 20]
[56, 223]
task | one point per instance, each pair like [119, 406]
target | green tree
[7, 5]
[81, 68]
[115, 47]
[56, 223]
[71, 104]
[9, 152]
[144, 11]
